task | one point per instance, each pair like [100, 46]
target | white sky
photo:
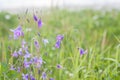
[9, 4]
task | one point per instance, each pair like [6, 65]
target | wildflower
[18, 69]
[20, 51]
[44, 76]
[36, 44]
[15, 54]
[82, 51]
[25, 76]
[31, 77]
[45, 41]
[17, 32]
[38, 61]
[57, 45]
[35, 17]
[23, 43]
[26, 64]
[12, 67]
[39, 23]
[27, 55]
[51, 79]
[59, 37]
[59, 66]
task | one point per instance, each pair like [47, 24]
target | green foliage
[96, 31]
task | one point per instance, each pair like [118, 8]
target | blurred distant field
[97, 31]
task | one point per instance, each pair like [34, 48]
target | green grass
[96, 31]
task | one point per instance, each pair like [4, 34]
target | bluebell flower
[36, 43]
[39, 23]
[51, 79]
[23, 44]
[15, 54]
[25, 76]
[18, 32]
[59, 66]
[35, 17]
[82, 51]
[44, 76]
[45, 41]
[12, 67]
[59, 37]
[26, 64]
[27, 55]
[57, 45]
[20, 52]
[38, 61]
[31, 77]
[18, 69]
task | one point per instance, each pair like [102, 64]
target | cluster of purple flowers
[27, 59]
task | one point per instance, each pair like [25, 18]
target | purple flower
[38, 61]
[12, 67]
[15, 54]
[36, 44]
[18, 69]
[26, 64]
[51, 79]
[25, 76]
[27, 55]
[59, 66]
[20, 51]
[31, 77]
[18, 32]
[59, 37]
[82, 51]
[39, 23]
[45, 41]
[35, 17]
[44, 76]
[57, 45]
[23, 44]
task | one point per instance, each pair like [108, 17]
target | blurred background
[19, 5]
[104, 12]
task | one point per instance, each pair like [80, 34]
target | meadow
[88, 48]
